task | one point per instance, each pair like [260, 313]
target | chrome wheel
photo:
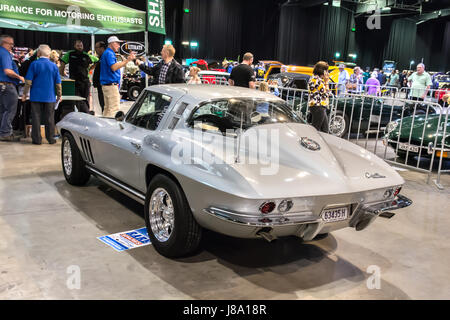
[161, 214]
[135, 94]
[337, 125]
[67, 157]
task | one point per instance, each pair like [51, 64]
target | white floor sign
[127, 240]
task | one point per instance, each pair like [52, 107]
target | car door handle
[155, 146]
[136, 145]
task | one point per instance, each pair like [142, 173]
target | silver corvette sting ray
[233, 160]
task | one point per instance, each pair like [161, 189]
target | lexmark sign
[156, 16]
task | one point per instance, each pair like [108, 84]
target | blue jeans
[8, 106]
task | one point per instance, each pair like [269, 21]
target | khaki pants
[112, 100]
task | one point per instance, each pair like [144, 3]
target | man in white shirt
[420, 82]
[342, 80]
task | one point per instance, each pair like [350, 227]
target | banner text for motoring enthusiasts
[74, 14]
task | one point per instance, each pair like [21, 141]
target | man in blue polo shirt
[45, 82]
[9, 78]
[110, 76]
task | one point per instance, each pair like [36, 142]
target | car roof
[203, 92]
[292, 75]
[270, 61]
[214, 73]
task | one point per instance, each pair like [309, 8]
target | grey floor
[48, 226]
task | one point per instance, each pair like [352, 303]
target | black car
[132, 86]
[291, 80]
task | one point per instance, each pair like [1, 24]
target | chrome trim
[361, 213]
[399, 202]
[136, 195]
[161, 215]
[367, 213]
[67, 157]
[251, 220]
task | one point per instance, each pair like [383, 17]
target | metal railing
[374, 90]
[432, 95]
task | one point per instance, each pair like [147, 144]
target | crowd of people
[40, 72]
[37, 76]
[320, 92]
[371, 83]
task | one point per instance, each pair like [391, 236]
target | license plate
[408, 147]
[336, 214]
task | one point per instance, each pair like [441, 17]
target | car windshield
[225, 115]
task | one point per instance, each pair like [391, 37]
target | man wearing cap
[9, 79]
[343, 78]
[110, 76]
[79, 64]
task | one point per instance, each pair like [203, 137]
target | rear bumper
[304, 225]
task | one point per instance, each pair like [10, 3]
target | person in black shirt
[100, 47]
[243, 75]
[79, 63]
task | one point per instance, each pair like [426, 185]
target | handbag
[351, 86]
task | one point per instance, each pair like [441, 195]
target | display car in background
[132, 85]
[168, 153]
[214, 77]
[367, 114]
[332, 70]
[291, 80]
[271, 68]
[420, 136]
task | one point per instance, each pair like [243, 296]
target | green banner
[72, 14]
[156, 16]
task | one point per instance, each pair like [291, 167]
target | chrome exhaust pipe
[266, 233]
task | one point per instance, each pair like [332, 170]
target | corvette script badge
[374, 176]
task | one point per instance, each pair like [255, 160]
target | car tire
[174, 232]
[343, 121]
[134, 92]
[73, 165]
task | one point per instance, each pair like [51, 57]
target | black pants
[48, 110]
[101, 98]
[22, 117]
[82, 89]
[319, 118]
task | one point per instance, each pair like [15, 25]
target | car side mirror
[119, 116]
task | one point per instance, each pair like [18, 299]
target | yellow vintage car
[272, 67]
[332, 70]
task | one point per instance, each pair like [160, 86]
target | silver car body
[227, 197]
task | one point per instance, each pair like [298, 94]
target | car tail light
[397, 191]
[267, 207]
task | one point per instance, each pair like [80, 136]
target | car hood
[288, 169]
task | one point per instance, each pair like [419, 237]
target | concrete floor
[48, 226]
